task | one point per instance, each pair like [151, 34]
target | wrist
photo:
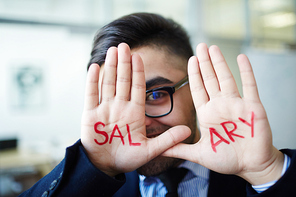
[97, 164]
[270, 172]
[263, 187]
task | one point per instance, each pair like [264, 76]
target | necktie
[171, 179]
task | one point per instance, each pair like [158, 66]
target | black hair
[141, 29]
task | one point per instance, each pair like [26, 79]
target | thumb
[167, 140]
[188, 152]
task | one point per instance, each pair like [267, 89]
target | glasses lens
[158, 103]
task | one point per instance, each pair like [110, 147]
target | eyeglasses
[159, 101]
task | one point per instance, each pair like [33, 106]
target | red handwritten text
[229, 133]
[113, 135]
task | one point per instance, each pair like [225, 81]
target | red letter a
[213, 131]
[113, 134]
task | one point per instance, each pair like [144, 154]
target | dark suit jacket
[76, 176]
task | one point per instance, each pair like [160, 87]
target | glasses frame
[171, 90]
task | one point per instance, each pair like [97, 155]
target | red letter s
[101, 132]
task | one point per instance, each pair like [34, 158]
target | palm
[233, 155]
[119, 145]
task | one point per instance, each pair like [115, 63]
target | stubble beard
[161, 163]
[158, 165]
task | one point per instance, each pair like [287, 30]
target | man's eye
[156, 97]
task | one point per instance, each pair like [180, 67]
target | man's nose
[148, 121]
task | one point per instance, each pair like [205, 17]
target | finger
[225, 78]
[123, 83]
[138, 91]
[197, 88]
[249, 85]
[109, 77]
[91, 90]
[167, 139]
[207, 71]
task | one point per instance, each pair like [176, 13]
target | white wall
[53, 120]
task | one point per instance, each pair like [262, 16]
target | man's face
[164, 69]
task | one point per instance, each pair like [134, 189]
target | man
[146, 106]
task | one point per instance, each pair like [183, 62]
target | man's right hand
[113, 130]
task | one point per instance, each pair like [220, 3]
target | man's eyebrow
[157, 81]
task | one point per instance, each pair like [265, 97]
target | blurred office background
[45, 47]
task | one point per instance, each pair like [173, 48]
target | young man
[140, 119]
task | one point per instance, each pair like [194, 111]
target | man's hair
[141, 29]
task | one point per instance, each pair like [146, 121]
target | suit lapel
[226, 185]
[131, 186]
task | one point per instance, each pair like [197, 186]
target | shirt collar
[196, 169]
